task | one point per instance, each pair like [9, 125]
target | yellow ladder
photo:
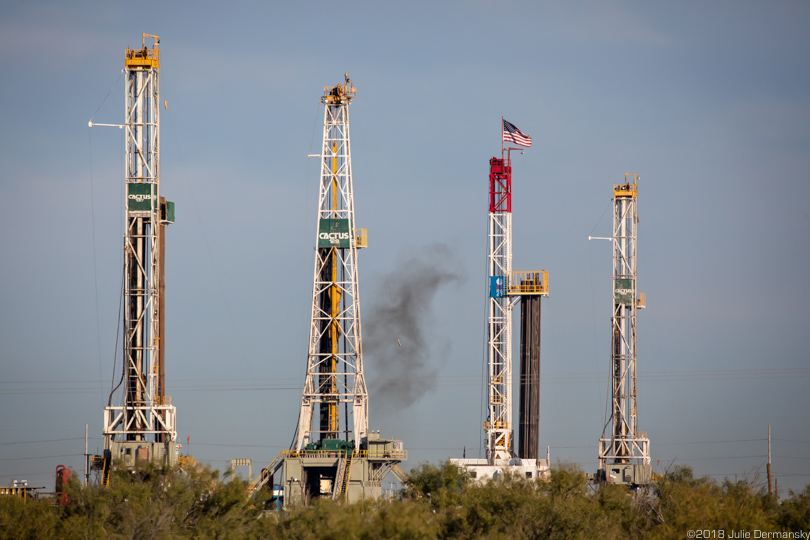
[268, 471]
[347, 472]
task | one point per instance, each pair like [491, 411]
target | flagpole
[501, 137]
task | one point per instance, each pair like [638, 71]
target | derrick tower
[624, 451]
[334, 378]
[498, 427]
[334, 455]
[506, 289]
[143, 426]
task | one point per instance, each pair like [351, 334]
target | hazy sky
[708, 101]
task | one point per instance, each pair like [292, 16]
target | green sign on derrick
[623, 291]
[139, 197]
[334, 233]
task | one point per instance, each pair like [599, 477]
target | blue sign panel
[497, 287]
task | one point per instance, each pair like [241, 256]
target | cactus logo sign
[623, 291]
[334, 233]
[139, 197]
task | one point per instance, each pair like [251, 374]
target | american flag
[514, 135]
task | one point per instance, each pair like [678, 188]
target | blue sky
[707, 102]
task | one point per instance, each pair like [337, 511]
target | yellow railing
[401, 455]
[624, 191]
[314, 454]
[163, 400]
[641, 301]
[341, 90]
[186, 461]
[264, 475]
[498, 424]
[528, 283]
[361, 238]
[24, 492]
[629, 188]
[144, 57]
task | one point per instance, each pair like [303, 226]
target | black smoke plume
[397, 341]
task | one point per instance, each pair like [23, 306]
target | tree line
[440, 501]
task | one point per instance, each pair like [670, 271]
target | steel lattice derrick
[498, 426]
[626, 443]
[335, 361]
[144, 410]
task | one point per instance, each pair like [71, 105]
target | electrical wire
[239, 445]
[211, 258]
[108, 95]
[605, 419]
[117, 336]
[40, 457]
[724, 457]
[95, 264]
[305, 213]
[93, 224]
[446, 381]
[44, 441]
[484, 345]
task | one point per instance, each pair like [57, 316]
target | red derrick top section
[500, 185]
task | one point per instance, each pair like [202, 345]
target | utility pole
[770, 485]
[86, 459]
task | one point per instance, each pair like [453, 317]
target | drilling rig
[624, 451]
[333, 454]
[143, 427]
[506, 288]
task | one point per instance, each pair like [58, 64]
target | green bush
[438, 502]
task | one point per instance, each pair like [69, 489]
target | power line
[711, 442]
[41, 457]
[17, 475]
[678, 443]
[189, 445]
[45, 440]
[716, 458]
[548, 378]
